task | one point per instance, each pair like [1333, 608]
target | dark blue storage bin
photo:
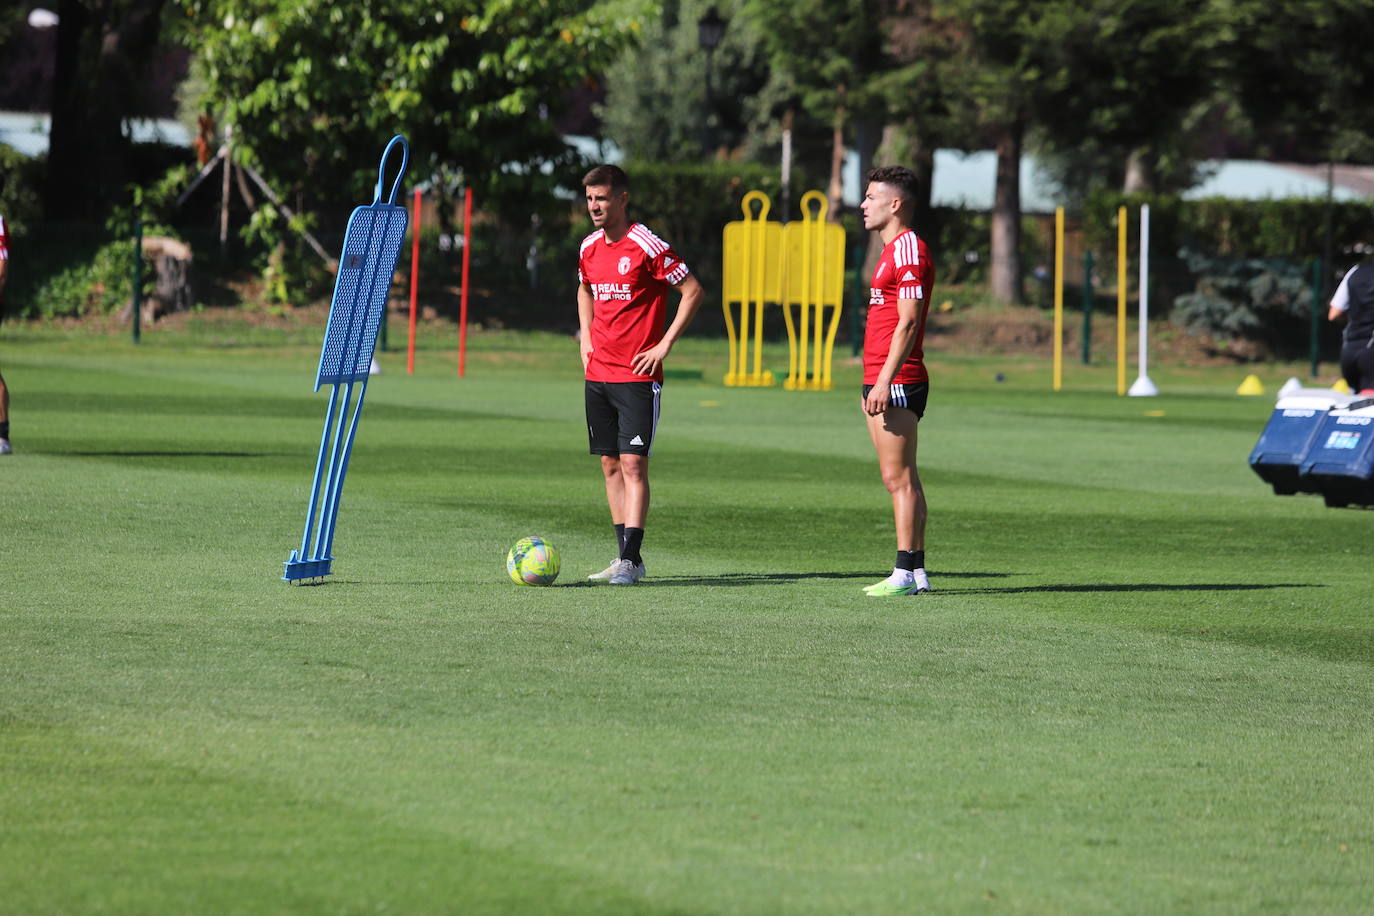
[1340, 463]
[1292, 429]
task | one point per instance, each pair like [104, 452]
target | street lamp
[710, 30]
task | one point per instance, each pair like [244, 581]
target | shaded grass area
[1143, 682]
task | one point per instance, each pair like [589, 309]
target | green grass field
[1143, 684]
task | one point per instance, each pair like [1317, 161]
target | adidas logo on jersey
[908, 277]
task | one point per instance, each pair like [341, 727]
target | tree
[1141, 70]
[1115, 73]
[826, 52]
[103, 47]
[1003, 45]
[11, 22]
[313, 89]
[655, 101]
[1299, 70]
[921, 94]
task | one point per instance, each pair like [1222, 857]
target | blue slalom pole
[331, 486]
[347, 454]
[319, 472]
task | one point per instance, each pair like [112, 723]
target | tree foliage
[103, 48]
[1300, 71]
[1246, 302]
[314, 89]
[656, 102]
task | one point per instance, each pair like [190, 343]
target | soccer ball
[532, 561]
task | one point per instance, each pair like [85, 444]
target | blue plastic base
[1285, 442]
[306, 569]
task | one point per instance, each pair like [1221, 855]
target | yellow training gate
[813, 258]
[800, 267]
[751, 278]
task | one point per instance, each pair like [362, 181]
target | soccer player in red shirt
[895, 380]
[4, 391]
[624, 273]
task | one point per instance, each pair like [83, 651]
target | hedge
[1292, 228]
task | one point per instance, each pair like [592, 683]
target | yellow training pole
[818, 294]
[804, 306]
[1058, 298]
[1121, 301]
[753, 259]
[761, 265]
[815, 258]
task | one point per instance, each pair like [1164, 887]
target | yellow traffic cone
[1251, 385]
[1341, 386]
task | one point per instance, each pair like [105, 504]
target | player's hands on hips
[878, 397]
[650, 361]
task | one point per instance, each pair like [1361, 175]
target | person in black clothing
[1354, 303]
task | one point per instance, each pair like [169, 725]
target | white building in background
[27, 131]
[967, 180]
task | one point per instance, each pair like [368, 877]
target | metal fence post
[1316, 312]
[1087, 307]
[138, 270]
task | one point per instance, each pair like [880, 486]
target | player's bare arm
[903, 338]
[585, 309]
[692, 292]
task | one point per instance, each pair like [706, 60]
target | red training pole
[414, 282]
[463, 307]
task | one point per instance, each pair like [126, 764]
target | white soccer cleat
[5, 448]
[626, 572]
[920, 583]
[605, 573]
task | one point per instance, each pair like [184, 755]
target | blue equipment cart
[1340, 464]
[1288, 436]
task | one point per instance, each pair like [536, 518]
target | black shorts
[911, 395]
[1357, 365]
[622, 417]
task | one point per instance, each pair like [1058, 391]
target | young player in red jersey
[624, 273]
[4, 391]
[895, 380]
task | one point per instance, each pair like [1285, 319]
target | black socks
[619, 537]
[629, 550]
[911, 559]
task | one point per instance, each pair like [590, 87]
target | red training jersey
[904, 271]
[629, 280]
[4, 242]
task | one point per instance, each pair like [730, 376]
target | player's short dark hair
[604, 175]
[901, 178]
